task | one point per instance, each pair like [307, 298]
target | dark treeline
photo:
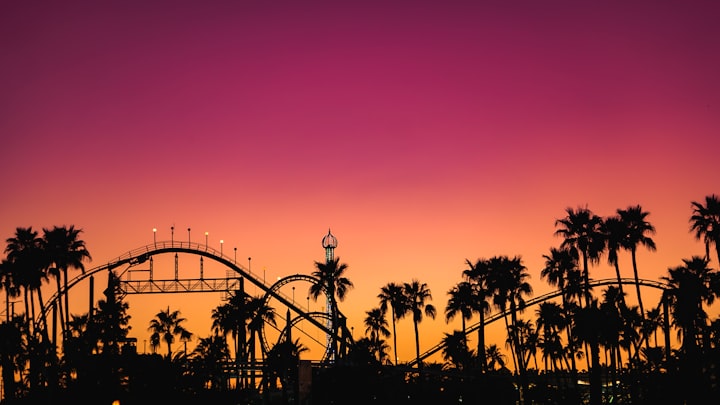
[581, 346]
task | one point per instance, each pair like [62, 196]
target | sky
[422, 134]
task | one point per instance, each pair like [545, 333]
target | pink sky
[422, 133]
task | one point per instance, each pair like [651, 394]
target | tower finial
[329, 242]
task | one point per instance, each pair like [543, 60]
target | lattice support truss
[179, 286]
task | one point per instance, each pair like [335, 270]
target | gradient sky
[422, 133]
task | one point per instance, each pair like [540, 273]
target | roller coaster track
[537, 300]
[142, 254]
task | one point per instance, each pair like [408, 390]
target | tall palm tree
[638, 233]
[165, 326]
[613, 324]
[477, 275]
[376, 326]
[616, 237]
[11, 349]
[260, 313]
[24, 255]
[332, 282]
[232, 318]
[391, 295]
[560, 269]
[581, 230]
[417, 296]
[690, 287]
[551, 319]
[9, 284]
[705, 221]
[462, 301]
[64, 250]
[508, 282]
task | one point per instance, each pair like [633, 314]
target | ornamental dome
[329, 240]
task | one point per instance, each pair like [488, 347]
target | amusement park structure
[135, 273]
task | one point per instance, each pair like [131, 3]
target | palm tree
[260, 313]
[462, 301]
[209, 356]
[376, 327]
[560, 269]
[417, 295]
[282, 363]
[64, 250]
[11, 349]
[613, 324]
[691, 286]
[638, 231]
[392, 295]
[455, 350]
[495, 357]
[231, 318]
[705, 221]
[551, 319]
[616, 235]
[165, 326]
[477, 275]
[24, 256]
[9, 284]
[332, 282]
[508, 282]
[581, 230]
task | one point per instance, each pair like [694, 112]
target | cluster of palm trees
[579, 326]
[33, 260]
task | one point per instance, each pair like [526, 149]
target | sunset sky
[421, 133]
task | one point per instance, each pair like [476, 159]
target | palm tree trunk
[59, 302]
[481, 343]
[637, 285]
[392, 311]
[417, 345]
[67, 300]
[619, 279]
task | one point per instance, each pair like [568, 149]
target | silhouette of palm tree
[551, 319]
[509, 286]
[705, 221]
[208, 357]
[455, 350]
[477, 275]
[616, 236]
[560, 270]
[332, 281]
[9, 284]
[581, 230]
[376, 327]
[392, 295]
[638, 231]
[165, 326]
[64, 250]
[24, 256]
[417, 296]
[462, 301]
